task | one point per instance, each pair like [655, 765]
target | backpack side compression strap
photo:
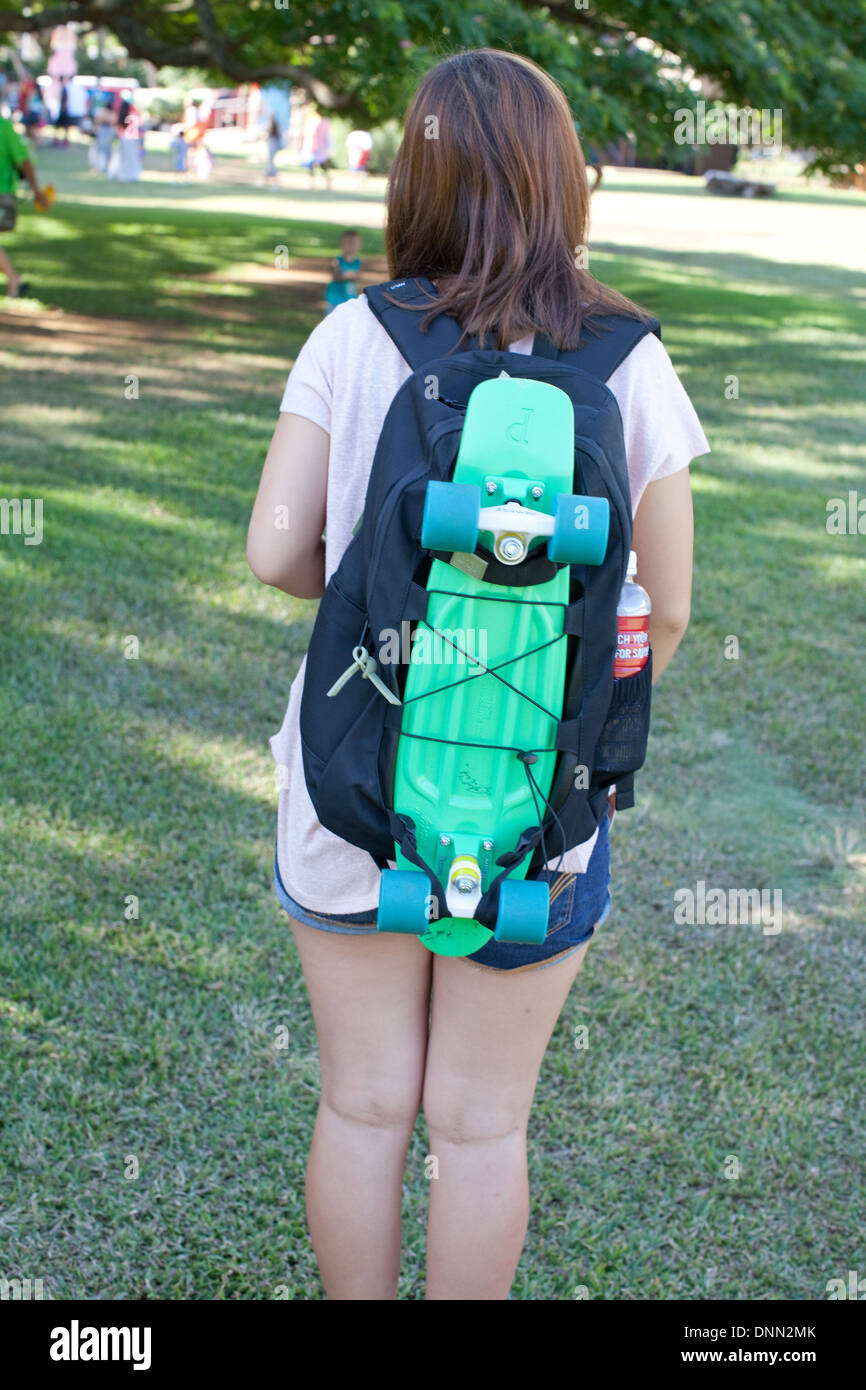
[601, 354]
[403, 326]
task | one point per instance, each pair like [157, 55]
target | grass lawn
[708, 1142]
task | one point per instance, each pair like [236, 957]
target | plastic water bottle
[632, 616]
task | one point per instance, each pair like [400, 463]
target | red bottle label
[632, 646]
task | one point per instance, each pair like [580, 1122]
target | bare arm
[663, 539]
[29, 173]
[284, 542]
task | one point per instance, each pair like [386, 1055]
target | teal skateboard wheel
[404, 896]
[580, 530]
[524, 909]
[451, 512]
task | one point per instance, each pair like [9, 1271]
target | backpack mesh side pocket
[621, 746]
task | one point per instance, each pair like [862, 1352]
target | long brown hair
[488, 196]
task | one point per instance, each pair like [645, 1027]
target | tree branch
[216, 41]
[43, 19]
[564, 12]
[209, 48]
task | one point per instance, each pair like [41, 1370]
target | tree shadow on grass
[133, 262]
[720, 272]
[693, 186]
[195, 440]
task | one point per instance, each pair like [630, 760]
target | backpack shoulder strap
[601, 354]
[403, 326]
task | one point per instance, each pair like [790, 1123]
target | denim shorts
[579, 903]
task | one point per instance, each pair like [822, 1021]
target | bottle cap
[632, 565]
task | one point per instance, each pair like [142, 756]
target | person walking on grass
[359, 147]
[126, 159]
[32, 110]
[491, 212]
[275, 144]
[14, 162]
[63, 119]
[317, 147]
[103, 139]
[180, 152]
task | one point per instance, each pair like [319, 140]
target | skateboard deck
[486, 673]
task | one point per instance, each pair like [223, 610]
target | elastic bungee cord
[526, 756]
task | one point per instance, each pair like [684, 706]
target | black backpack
[349, 737]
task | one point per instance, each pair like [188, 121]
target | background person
[32, 109]
[317, 149]
[126, 161]
[275, 144]
[103, 138]
[202, 160]
[9, 96]
[14, 162]
[63, 119]
[345, 269]
[359, 146]
[180, 152]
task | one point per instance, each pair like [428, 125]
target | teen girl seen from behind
[493, 211]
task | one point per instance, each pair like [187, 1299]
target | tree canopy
[626, 67]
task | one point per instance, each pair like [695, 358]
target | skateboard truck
[574, 526]
[463, 889]
[464, 872]
[513, 526]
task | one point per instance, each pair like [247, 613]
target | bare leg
[489, 1033]
[12, 276]
[370, 997]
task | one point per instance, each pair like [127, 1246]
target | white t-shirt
[344, 380]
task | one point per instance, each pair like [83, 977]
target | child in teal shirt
[345, 269]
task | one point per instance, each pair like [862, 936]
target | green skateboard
[458, 774]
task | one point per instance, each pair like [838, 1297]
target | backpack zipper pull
[362, 661]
